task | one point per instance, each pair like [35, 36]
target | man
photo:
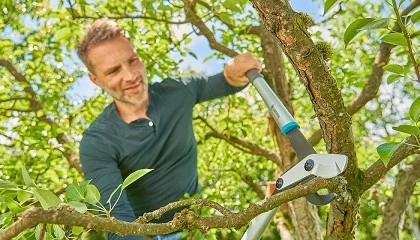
[145, 126]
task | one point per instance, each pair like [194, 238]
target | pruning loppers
[310, 165]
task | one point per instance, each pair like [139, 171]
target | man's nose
[128, 74]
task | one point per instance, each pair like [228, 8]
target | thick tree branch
[147, 217]
[395, 207]
[186, 219]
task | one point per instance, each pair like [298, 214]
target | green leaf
[415, 18]
[377, 24]
[12, 205]
[392, 78]
[192, 54]
[92, 194]
[187, 40]
[134, 177]
[208, 58]
[329, 4]
[354, 28]
[7, 185]
[4, 217]
[232, 6]
[76, 230]
[78, 206]
[74, 192]
[23, 195]
[27, 178]
[226, 17]
[415, 110]
[395, 39]
[62, 33]
[412, 130]
[386, 150]
[394, 68]
[58, 232]
[46, 198]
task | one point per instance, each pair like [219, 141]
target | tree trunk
[397, 205]
[305, 219]
[304, 216]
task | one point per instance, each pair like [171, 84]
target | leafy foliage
[79, 196]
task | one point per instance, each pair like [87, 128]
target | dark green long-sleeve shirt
[112, 149]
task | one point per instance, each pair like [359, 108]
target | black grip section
[253, 74]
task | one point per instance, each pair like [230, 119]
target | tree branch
[192, 17]
[395, 207]
[255, 186]
[35, 104]
[256, 30]
[147, 217]
[131, 17]
[234, 141]
[66, 215]
[378, 170]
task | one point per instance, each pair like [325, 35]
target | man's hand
[236, 68]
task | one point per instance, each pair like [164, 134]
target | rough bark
[397, 205]
[305, 219]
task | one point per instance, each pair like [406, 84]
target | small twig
[42, 230]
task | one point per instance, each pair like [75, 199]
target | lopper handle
[279, 112]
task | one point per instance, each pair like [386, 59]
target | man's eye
[133, 60]
[112, 72]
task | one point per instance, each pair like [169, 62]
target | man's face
[119, 71]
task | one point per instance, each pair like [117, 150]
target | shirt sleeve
[207, 88]
[100, 166]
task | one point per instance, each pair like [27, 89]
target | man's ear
[94, 79]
